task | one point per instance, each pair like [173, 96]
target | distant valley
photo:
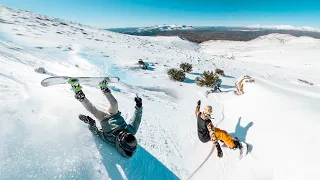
[201, 34]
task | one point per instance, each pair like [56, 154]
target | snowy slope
[41, 137]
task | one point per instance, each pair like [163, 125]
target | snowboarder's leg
[241, 88]
[225, 137]
[113, 109]
[211, 91]
[93, 110]
[215, 89]
[208, 92]
[237, 87]
[80, 96]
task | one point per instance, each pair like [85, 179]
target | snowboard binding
[242, 146]
[74, 82]
[79, 95]
[237, 144]
[104, 85]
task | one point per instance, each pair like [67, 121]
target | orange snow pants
[225, 137]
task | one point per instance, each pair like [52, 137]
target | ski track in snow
[41, 137]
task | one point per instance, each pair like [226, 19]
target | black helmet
[126, 143]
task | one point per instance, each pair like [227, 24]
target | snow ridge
[285, 27]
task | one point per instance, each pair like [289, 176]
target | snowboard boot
[237, 144]
[87, 119]
[79, 95]
[104, 85]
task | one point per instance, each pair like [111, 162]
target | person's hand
[138, 101]
[86, 119]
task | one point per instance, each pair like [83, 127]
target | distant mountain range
[152, 29]
[165, 27]
[206, 33]
[285, 27]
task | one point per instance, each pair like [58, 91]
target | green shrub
[208, 79]
[186, 67]
[220, 71]
[176, 74]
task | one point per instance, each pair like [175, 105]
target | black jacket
[203, 132]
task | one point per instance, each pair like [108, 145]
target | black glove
[138, 101]
[87, 119]
[199, 103]
[220, 153]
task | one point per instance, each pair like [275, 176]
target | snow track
[306, 93]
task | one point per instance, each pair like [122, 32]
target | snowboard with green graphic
[94, 81]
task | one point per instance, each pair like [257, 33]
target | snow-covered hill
[285, 27]
[41, 137]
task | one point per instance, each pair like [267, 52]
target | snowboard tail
[237, 93]
[82, 80]
[244, 150]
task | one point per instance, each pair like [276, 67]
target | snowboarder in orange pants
[239, 83]
[207, 131]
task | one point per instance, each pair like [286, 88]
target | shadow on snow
[142, 165]
[196, 73]
[241, 132]
[187, 80]
[226, 76]
[227, 86]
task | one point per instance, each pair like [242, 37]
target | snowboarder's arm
[198, 108]
[97, 132]
[214, 139]
[212, 133]
[136, 120]
[92, 126]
